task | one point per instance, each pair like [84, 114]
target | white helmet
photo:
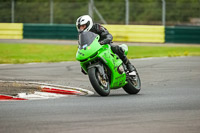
[84, 20]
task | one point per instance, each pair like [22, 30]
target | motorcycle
[105, 69]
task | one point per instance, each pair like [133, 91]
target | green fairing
[112, 61]
[83, 54]
[94, 52]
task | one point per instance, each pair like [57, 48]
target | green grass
[163, 51]
[26, 53]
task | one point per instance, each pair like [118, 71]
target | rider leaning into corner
[85, 23]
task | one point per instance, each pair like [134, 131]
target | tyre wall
[11, 31]
[182, 34]
[50, 31]
[137, 33]
[126, 33]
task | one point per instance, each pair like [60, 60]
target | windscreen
[86, 38]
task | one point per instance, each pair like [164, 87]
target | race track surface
[168, 102]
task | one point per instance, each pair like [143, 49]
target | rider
[85, 23]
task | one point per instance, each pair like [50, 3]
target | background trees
[113, 11]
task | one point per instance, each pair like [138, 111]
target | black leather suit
[106, 38]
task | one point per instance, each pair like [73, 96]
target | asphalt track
[168, 102]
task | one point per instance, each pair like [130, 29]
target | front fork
[100, 68]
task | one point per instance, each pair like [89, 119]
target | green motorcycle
[105, 69]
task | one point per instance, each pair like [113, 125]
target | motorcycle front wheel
[101, 86]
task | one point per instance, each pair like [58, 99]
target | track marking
[46, 91]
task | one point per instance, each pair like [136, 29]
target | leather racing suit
[106, 38]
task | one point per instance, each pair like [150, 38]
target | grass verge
[27, 53]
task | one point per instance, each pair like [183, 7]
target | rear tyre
[134, 84]
[101, 86]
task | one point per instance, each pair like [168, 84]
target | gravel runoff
[13, 88]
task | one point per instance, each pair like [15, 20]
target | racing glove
[105, 41]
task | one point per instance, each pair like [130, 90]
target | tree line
[113, 11]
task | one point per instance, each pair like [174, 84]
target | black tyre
[134, 84]
[101, 86]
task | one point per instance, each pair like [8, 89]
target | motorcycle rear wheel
[134, 84]
[101, 86]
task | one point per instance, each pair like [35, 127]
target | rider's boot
[122, 56]
[128, 65]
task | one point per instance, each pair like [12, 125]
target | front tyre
[100, 85]
[134, 84]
